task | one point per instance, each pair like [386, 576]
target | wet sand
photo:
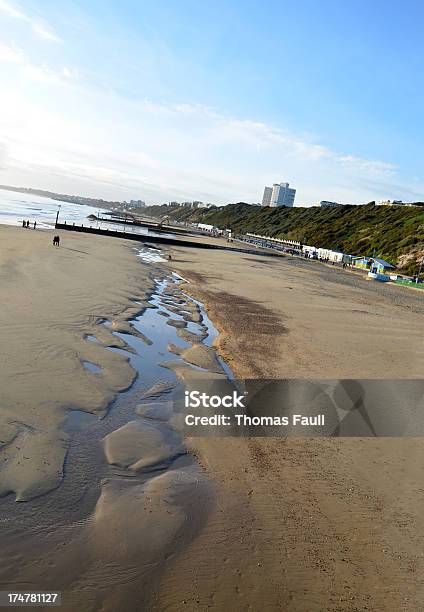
[107, 492]
[52, 299]
[305, 524]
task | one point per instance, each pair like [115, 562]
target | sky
[213, 100]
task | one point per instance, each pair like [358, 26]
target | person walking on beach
[35, 224]
[23, 223]
[56, 241]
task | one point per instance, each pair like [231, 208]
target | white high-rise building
[280, 194]
[266, 200]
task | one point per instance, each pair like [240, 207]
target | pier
[132, 221]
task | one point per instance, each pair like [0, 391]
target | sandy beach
[52, 298]
[96, 492]
[290, 317]
[124, 518]
[211, 306]
[306, 524]
[69, 529]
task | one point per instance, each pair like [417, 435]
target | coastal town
[279, 196]
[135, 215]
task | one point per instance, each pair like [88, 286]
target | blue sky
[212, 100]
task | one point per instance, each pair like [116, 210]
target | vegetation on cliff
[394, 233]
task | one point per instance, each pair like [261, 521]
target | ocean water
[14, 207]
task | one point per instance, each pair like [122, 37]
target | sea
[16, 207]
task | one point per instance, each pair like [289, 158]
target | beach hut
[364, 263]
[310, 251]
[379, 269]
[379, 266]
[336, 256]
[374, 263]
[347, 259]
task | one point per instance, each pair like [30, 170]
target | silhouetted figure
[56, 241]
[35, 224]
[23, 224]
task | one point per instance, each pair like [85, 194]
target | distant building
[137, 203]
[390, 203]
[327, 204]
[395, 203]
[310, 251]
[206, 227]
[330, 255]
[373, 264]
[278, 243]
[280, 194]
[266, 199]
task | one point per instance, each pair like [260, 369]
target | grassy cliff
[394, 233]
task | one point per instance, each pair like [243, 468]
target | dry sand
[287, 317]
[305, 524]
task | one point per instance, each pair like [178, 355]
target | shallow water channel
[86, 464]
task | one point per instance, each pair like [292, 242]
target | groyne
[164, 240]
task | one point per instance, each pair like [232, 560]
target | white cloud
[38, 26]
[225, 129]
[40, 73]
[367, 165]
[81, 139]
[11, 55]
[45, 32]
[12, 11]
